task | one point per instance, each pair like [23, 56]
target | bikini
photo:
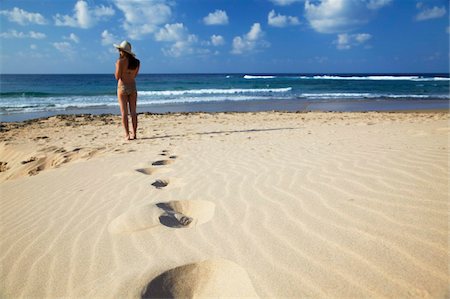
[127, 88]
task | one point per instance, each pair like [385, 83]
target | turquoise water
[54, 94]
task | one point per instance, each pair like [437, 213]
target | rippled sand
[317, 205]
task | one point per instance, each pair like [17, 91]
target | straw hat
[125, 46]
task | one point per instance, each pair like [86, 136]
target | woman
[127, 68]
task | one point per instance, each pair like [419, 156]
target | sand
[269, 205]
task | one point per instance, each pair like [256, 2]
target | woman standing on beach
[127, 68]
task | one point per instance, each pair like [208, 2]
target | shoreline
[254, 106]
[101, 116]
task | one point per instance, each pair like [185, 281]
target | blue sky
[222, 36]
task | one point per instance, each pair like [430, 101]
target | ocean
[32, 96]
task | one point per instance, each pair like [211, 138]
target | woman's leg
[132, 101]
[123, 102]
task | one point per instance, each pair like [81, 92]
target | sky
[226, 36]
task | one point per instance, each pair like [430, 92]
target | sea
[24, 97]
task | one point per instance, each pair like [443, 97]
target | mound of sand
[208, 279]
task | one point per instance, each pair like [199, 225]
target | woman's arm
[119, 66]
[137, 70]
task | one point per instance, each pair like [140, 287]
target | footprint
[162, 162]
[173, 157]
[32, 159]
[207, 279]
[174, 214]
[164, 153]
[3, 166]
[201, 211]
[159, 184]
[140, 218]
[147, 171]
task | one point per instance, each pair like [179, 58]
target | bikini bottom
[127, 89]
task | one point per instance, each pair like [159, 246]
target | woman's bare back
[123, 74]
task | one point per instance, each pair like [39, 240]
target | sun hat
[125, 46]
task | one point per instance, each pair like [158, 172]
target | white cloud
[255, 32]
[84, 16]
[182, 47]
[281, 21]
[331, 16]
[377, 4]
[108, 38]
[347, 41]
[182, 43]
[337, 16]
[284, 2]
[430, 13]
[362, 37]
[250, 41]
[37, 35]
[217, 40]
[23, 17]
[219, 17]
[447, 29]
[72, 37]
[19, 34]
[143, 17]
[171, 33]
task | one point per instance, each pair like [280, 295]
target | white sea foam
[185, 100]
[381, 78]
[336, 95]
[341, 95]
[212, 91]
[38, 104]
[258, 77]
[433, 79]
[111, 101]
[367, 77]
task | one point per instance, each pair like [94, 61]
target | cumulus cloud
[23, 17]
[19, 34]
[108, 38]
[72, 37]
[182, 43]
[249, 42]
[377, 4]
[143, 17]
[182, 47]
[284, 2]
[337, 16]
[217, 40]
[171, 33]
[430, 13]
[280, 20]
[84, 16]
[347, 41]
[219, 17]
[36, 35]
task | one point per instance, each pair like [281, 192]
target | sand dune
[279, 205]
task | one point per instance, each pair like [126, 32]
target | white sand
[311, 205]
